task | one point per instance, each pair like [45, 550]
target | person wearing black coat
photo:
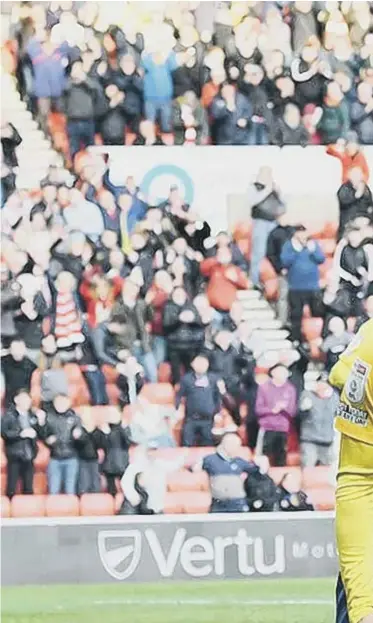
[184, 331]
[113, 122]
[61, 431]
[355, 200]
[20, 429]
[275, 243]
[17, 369]
[10, 139]
[115, 441]
[87, 445]
[10, 301]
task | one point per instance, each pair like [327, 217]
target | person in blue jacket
[158, 87]
[301, 257]
[231, 114]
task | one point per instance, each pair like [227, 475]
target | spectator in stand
[157, 297]
[130, 83]
[147, 135]
[88, 444]
[308, 73]
[20, 428]
[350, 155]
[253, 86]
[10, 140]
[224, 280]
[335, 121]
[113, 121]
[276, 406]
[115, 441]
[158, 88]
[49, 66]
[17, 369]
[367, 312]
[355, 199]
[266, 207]
[189, 120]
[211, 88]
[53, 377]
[81, 97]
[303, 25]
[184, 331]
[231, 114]
[301, 257]
[60, 433]
[225, 469]
[276, 240]
[152, 424]
[317, 411]
[202, 393]
[83, 216]
[336, 342]
[362, 113]
[290, 130]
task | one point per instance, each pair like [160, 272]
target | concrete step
[254, 316]
[243, 295]
[272, 335]
[257, 304]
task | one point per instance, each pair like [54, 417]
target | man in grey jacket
[317, 430]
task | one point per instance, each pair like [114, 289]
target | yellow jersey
[353, 374]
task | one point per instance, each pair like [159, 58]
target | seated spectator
[335, 121]
[144, 482]
[152, 424]
[260, 489]
[20, 428]
[224, 280]
[361, 113]
[17, 369]
[200, 390]
[115, 441]
[60, 432]
[318, 408]
[336, 342]
[184, 331]
[301, 257]
[355, 199]
[275, 408]
[266, 207]
[189, 120]
[350, 155]
[290, 130]
[231, 114]
[225, 469]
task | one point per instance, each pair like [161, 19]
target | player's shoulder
[362, 343]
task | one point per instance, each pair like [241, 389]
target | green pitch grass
[244, 601]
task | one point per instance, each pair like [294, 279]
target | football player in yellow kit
[353, 375]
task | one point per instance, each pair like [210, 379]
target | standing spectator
[113, 122]
[61, 430]
[275, 244]
[158, 87]
[224, 280]
[308, 74]
[350, 155]
[362, 113]
[17, 369]
[231, 114]
[147, 135]
[48, 64]
[189, 120]
[184, 331]
[131, 85]
[336, 342]
[19, 429]
[10, 140]
[88, 443]
[225, 469]
[266, 207]
[157, 297]
[80, 100]
[115, 442]
[301, 257]
[253, 86]
[290, 130]
[276, 406]
[355, 199]
[335, 120]
[200, 390]
[303, 25]
[317, 409]
[53, 378]
[152, 424]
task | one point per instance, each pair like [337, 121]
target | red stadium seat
[318, 477]
[293, 459]
[101, 504]
[277, 473]
[184, 480]
[174, 503]
[28, 506]
[42, 458]
[113, 393]
[323, 499]
[5, 507]
[109, 373]
[62, 506]
[40, 483]
[197, 502]
[159, 393]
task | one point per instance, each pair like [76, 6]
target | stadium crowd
[98, 281]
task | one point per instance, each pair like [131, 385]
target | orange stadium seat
[293, 459]
[323, 499]
[277, 473]
[113, 393]
[97, 504]
[159, 393]
[184, 480]
[317, 477]
[28, 506]
[62, 506]
[174, 503]
[42, 458]
[40, 483]
[328, 246]
[312, 328]
[5, 507]
[197, 502]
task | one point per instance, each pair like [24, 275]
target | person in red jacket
[99, 295]
[225, 279]
[349, 153]
[157, 296]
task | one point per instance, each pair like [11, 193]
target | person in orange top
[211, 88]
[225, 279]
[350, 155]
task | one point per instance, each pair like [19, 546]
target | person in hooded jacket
[20, 429]
[60, 433]
[184, 331]
[115, 441]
